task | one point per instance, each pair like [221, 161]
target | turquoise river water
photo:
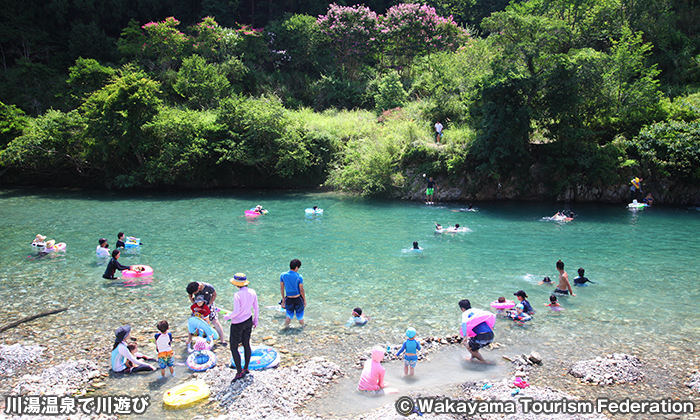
[645, 265]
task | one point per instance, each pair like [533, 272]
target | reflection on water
[355, 254]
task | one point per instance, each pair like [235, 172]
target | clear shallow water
[645, 264]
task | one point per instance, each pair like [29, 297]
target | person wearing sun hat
[245, 302]
[39, 241]
[411, 347]
[121, 353]
[102, 249]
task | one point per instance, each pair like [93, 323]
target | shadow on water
[445, 367]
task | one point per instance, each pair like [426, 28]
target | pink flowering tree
[211, 41]
[410, 30]
[351, 33]
[165, 44]
[159, 46]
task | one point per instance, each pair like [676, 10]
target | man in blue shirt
[293, 296]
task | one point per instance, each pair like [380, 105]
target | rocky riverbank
[282, 393]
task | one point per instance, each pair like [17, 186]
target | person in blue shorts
[411, 347]
[293, 296]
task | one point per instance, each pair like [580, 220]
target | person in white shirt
[438, 130]
[102, 249]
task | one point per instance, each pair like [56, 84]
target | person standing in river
[564, 287]
[293, 295]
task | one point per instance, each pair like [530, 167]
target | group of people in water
[477, 329]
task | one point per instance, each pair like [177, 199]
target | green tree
[116, 114]
[391, 93]
[50, 145]
[12, 122]
[87, 76]
[200, 83]
[262, 140]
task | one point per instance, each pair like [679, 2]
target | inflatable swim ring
[200, 361]
[252, 214]
[478, 316]
[199, 327]
[312, 211]
[61, 246]
[637, 205]
[262, 357]
[132, 242]
[502, 305]
[142, 271]
[186, 393]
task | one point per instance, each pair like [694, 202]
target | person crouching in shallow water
[372, 378]
[484, 333]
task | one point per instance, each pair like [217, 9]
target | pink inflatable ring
[502, 305]
[138, 271]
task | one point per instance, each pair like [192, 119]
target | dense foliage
[568, 93]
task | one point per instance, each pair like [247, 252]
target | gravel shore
[282, 393]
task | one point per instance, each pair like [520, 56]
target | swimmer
[358, 318]
[114, 265]
[102, 250]
[564, 287]
[554, 304]
[415, 246]
[39, 241]
[410, 347]
[546, 280]
[438, 227]
[581, 280]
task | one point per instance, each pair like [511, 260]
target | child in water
[164, 340]
[554, 304]
[134, 349]
[372, 378]
[410, 347]
[522, 297]
[581, 280]
[519, 315]
[357, 318]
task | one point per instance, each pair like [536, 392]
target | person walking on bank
[293, 296]
[438, 132]
[245, 302]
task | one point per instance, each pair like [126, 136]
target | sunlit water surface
[357, 253]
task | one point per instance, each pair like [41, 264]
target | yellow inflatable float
[186, 393]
